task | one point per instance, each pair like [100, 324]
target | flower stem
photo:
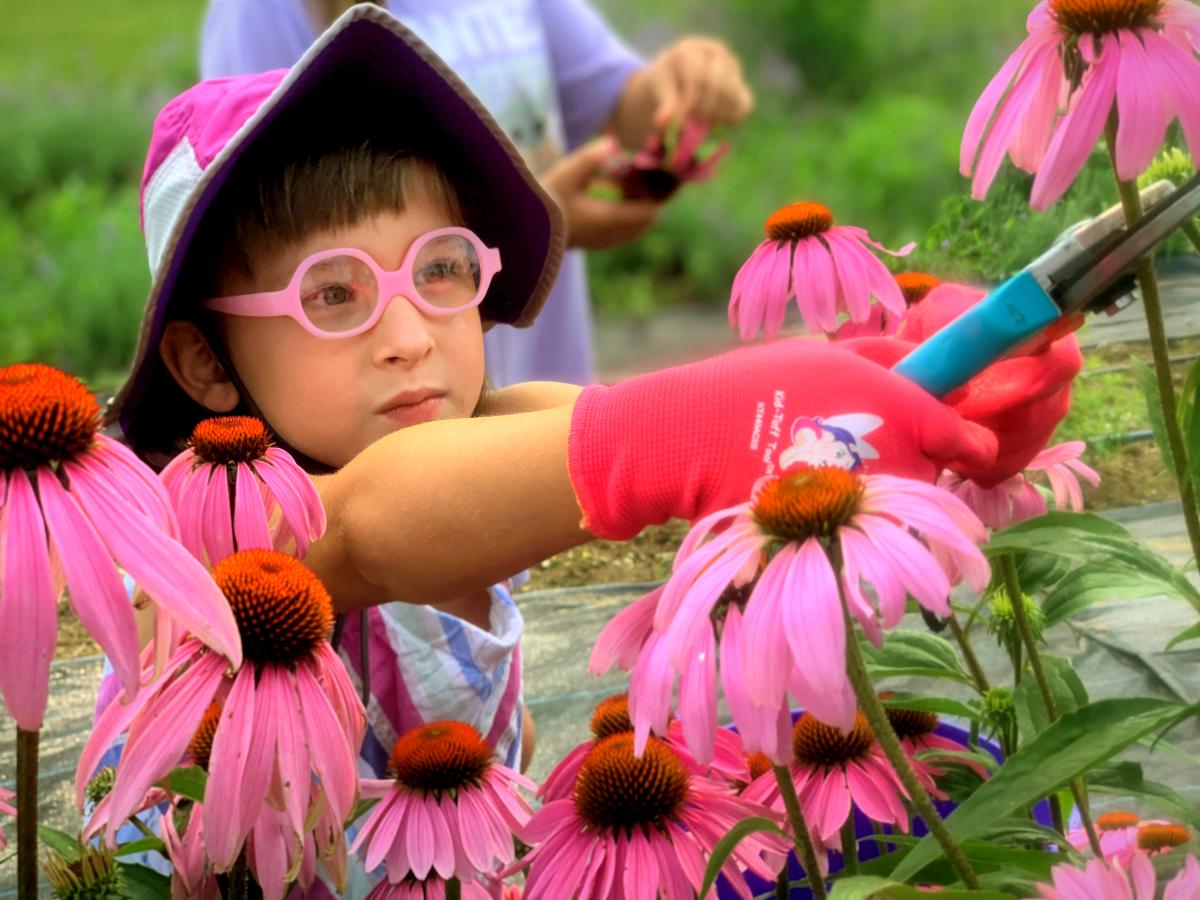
[27, 812]
[782, 883]
[453, 889]
[804, 847]
[968, 652]
[868, 702]
[1193, 233]
[239, 879]
[849, 846]
[1131, 201]
[1012, 584]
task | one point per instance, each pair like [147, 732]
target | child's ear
[194, 366]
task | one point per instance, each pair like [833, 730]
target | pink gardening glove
[1021, 399]
[693, 439]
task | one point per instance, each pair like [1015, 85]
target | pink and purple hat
[363, 66]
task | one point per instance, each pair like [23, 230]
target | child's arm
[529, 396]
[436, 511]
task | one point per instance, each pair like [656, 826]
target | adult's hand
[595, 222]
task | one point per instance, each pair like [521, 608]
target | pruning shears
[1089, 269]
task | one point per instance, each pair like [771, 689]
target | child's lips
[413, 407]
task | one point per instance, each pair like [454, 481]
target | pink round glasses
[343, 292]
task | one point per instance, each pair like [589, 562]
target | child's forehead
[385, 235]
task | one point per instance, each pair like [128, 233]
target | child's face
[329, 399]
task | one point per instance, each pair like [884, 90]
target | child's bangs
[335, 189]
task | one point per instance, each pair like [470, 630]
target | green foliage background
[860, 105]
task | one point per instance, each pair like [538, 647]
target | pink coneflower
[639, 826]
[450, 810]
[1138, 881]
[7, 809]
[611, 716]
[1050, 101]
[827, 268]
[290, 723]
[917, 734]
[666, 162]
[1017, 498]
[232, 465]
[191, 874]
[882, 321]
[792, 636]
[74, 506]
[831, 770]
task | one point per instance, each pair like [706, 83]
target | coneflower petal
[160, 566]
[249, 513]
[216, 517]
[812, 620]
[1009, 117]
[765, 654]
[116, 719]
[332, 756]
[160, 735]
[234, 743]
[28, 605]
[992, 96]
[1077, 133]
[96, 591]
[622, 637]
[1142, 117]
[698, 696]
[1175, 71]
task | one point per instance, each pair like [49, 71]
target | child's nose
[402, 334]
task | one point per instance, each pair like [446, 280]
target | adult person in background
[554, 76]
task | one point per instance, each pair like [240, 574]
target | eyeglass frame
[399, 282]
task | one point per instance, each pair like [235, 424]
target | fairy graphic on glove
[836, 441]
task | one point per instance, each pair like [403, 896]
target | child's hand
[693, 439]
[595, 222]
[698, 78]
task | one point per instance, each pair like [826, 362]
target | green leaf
[141, 845]
[188, 781]
[1071, 746]
[941, 705]
[65, 845]
[871, 887]
[143, 883]
[1100, 545]
[1065, 687]
[1126, 779]
[1098, 582]
[907, 653]
[726, 845]
[1188, 634]
[1189, 422]
[1148, 384]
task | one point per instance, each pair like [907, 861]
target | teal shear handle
[1005, 318]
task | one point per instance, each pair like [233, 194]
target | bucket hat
[369, 77]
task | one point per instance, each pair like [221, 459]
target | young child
[554, 75]
[329, 245]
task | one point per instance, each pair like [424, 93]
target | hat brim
[367, 67]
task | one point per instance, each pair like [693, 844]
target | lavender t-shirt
[550, 71]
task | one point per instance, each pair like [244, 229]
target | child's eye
[329, 295]
[439, 270]
[333, 294]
